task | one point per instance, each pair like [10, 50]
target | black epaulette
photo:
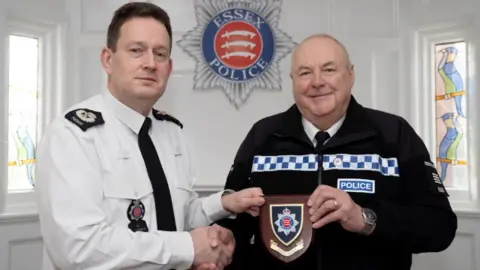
[163, 116]
[85, 118]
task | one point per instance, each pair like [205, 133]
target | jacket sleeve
[243, 225]
[74, 225]
[206, 210]
[425, 222]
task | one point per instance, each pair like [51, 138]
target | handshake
[214, 245]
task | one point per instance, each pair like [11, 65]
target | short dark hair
[136, 10]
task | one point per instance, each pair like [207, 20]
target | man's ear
[352, 75]
[106, 59]
[170, 68]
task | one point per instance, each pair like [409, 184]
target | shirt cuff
[180, 245]
[213, 207]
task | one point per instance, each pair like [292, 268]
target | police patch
[238, 47]
[135, 213]
[356, 185]
[436, 183]
[85, 118]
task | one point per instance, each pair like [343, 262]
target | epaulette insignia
[85, 118]
[163, 116]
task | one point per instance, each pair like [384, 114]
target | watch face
[370, 215]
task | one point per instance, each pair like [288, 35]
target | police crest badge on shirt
[135, 213]
[85, 118]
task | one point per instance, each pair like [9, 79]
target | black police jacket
[381, 149]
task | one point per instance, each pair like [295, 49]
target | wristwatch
[370, 219]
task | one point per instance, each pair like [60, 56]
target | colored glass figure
[450, 88]
[27, 148]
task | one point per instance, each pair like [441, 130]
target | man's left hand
[247, 200]
[218, 235]
[328, 204]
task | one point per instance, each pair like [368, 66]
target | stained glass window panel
[451, 71]
[22, 114]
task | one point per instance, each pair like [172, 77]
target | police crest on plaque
[237, 46]
[285, 228]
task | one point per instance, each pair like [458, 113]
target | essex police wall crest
[237, 46]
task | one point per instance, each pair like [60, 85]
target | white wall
[380, 35]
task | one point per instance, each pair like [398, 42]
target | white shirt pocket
[120, 189]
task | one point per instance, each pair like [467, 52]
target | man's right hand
[213, 246]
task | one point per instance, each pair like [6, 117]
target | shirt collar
[131, 118]
[312, 130]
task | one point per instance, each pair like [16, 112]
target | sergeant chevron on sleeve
[374, 197]
[115, 183]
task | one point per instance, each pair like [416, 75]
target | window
[35, 76]
[451, 114]
[443, 108]
[23, 111]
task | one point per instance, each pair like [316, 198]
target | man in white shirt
[114, 176]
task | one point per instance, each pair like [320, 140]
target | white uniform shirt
[86, 180]
[311, 130]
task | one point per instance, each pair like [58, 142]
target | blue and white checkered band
[285, 163]
[368, 162]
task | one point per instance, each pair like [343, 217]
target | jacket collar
[355, 127]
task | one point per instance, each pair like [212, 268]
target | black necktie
[161, 192]
[321, 137]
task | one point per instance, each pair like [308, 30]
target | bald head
[322, 78]
[319, 42]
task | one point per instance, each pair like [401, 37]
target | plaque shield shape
[285, 228]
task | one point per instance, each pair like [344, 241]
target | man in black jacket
[375, 195]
